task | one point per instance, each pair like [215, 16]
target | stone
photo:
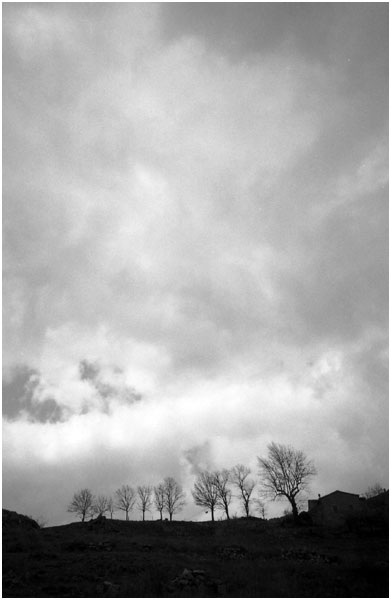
[186, 573]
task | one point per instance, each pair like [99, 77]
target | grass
[243, 558]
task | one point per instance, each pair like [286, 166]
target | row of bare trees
[212, 489]
[284, 473]
[167, 496]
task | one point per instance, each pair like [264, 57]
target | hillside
[239, 558]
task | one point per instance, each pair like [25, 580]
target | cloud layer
[195, 243]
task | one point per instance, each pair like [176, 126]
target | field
[237, 558]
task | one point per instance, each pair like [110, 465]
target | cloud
[20, 386]
[212, 426]
[195, 241]
[199, 458]
[64, 391]
[178, 217]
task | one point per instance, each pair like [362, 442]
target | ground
[237, 558]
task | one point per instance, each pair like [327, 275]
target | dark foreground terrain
[238, 558]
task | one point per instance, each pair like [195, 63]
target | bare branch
[174, 498]
[239, 477]
[125, 499]
[374, 490]
[205, 492]
[224, 494]
[101, 505]
[82, 503]
[144, 498]
[159, 499]
[285, 473]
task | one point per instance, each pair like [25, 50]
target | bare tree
[224, 494]
[245, 485]
[144, 493]
[174, 498]
[125, 499]
[110, 506]
[374, 490]
[101, 505]
[260, 507]
[82, 503]
[285, 473]
[205, 492]
[159, 499]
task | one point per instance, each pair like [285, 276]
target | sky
[195, 245]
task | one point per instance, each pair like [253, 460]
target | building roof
[333, 493]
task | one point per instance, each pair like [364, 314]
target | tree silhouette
[82, 503]
[110, 506]
[285, 473]
[144, 493]
[125, 499]
[101, 505]
[374, 490]
[205, 492]
[239, 477]
[224, 494]
[260, 507]
[174, 498]
[159, 498]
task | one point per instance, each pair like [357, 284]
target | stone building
[333, 509]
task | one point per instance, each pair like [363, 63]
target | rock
[195, 582]
[107, 589]
[306, 555]
[98, 523]
[101, 546]
[232, 552]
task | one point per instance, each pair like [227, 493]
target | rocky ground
[239, 558]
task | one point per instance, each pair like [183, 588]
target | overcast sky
[195, 231]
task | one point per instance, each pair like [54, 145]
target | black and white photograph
[195, 252]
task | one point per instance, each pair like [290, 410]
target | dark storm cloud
[327, 32]
[27, 395]
[349, 39]
[100, 380]
[199, 458]
[88, 370]
[344, 289]
[19, 386]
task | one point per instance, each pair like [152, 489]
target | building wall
[334, 508]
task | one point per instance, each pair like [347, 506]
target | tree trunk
[295, 512]
[212, 512]
[143, 515]
[227, 513]
[161, 515]
[170, 516]
[127, 516]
